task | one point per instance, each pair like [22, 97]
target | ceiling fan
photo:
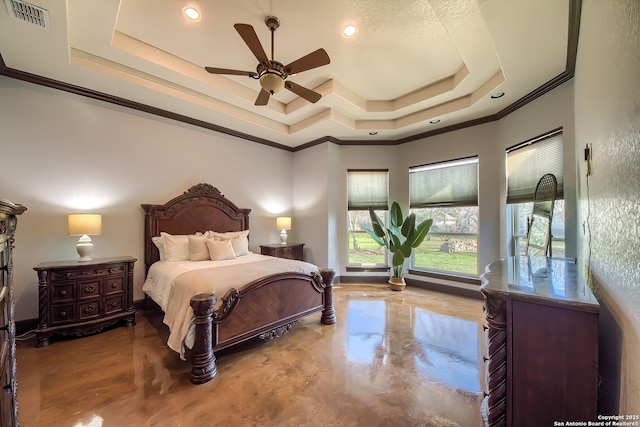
[271, 73]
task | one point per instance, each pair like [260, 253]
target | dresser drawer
[63, 293]
[113, 285]
[114, 304]
[89, 289]
[63, 314]
[87, 272]
[89, 310]
[289, 251]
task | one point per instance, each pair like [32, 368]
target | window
[526, 163]
[447, 192]
[366, 188]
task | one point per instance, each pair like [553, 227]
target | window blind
[452, 183]
[527, 162]
[367, 188]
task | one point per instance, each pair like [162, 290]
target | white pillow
[176, 247]
[159, 242]
[220, 249]
[239, 240]
[198, 250]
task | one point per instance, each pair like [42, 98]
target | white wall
[62, 153]
[607, 115]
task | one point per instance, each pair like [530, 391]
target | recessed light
[434, 121]
[373, 132]
[497, 95]
[191, 13]
[349, 31]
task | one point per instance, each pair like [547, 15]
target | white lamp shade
[283, 223]
[271, 82]
[80, 224]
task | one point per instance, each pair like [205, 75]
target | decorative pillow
[176, 247]
[220, 249]
[198, 248]
[239, 240]
[159, 242]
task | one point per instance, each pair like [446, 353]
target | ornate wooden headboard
[200, 208]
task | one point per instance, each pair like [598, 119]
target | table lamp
[84, 225]
[283, 223]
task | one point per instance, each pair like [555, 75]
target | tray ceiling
[413, 67]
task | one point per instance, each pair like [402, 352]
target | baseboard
[25, 326]
[461, 291]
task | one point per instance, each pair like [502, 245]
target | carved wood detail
[495, 401]
[278, 332]
[328, 312]
[204, 361]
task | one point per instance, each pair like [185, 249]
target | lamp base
[283, 237]
[84, 248]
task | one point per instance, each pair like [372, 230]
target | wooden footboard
[267, 307]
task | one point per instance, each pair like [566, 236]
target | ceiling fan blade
[263, 97]
[305, 93]
[315, 59]
[250, 37]
[214, 70]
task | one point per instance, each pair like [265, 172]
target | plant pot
[397, 283]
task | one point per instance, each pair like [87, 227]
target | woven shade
[368, 188]
[453, 183]
[527, 163]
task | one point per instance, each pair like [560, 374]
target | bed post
[204, 361]
[328, 313]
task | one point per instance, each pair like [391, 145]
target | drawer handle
[63, 313]
[90, 309]
[114, 304]
[114, 285]
[69, 275]
[485, 327]
[90, 289]
[485, 358]
[63, 293]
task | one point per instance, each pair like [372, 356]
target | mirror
[539, 230]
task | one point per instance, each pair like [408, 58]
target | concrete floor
[410, 358]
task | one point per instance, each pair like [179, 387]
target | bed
[266, 306]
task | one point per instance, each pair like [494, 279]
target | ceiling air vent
[27, 12]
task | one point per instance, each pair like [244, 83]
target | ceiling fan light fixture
[271, 82]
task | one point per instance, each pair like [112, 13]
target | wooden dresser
[542, 343]
[288, 250]
[82, 298]
[9, 392]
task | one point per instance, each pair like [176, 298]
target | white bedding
[174, 299]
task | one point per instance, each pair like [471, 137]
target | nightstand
[82, 298]
[288, 250]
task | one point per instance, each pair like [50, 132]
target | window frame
[512, 213]
[363, 205]
[461, 201]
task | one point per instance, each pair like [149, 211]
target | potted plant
[400, 239]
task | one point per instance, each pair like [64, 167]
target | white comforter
[174, 298]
